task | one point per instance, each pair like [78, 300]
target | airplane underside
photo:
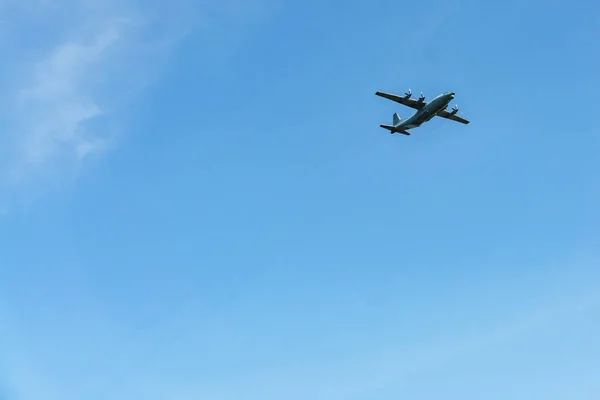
[425, 111]
[409, 126]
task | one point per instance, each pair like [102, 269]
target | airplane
[425, 111]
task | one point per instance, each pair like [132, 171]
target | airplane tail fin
[396, 119]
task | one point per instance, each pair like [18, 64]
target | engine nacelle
[421, 98]
[454, 110]
[408, 94]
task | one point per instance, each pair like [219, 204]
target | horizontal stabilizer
[393, 129]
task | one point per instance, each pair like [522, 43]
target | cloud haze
[65, 85]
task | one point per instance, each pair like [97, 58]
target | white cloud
[59, 100]
[70, 66]
[85, 62]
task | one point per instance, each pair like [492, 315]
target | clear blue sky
[197, 201]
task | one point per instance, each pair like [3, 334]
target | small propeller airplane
[425, 111]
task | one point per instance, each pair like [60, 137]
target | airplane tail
[393, 129]
[396, 119]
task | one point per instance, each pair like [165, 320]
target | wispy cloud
[362, 377]
[396, 366]
[90, 58]
[58, 101]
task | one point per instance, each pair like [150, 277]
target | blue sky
[197, 201]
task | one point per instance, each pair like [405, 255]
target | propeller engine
[422, 98]
[454, 110]
[408, 94]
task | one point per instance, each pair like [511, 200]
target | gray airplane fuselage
[426, 113]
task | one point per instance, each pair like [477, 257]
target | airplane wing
[453, 117]
[407, 101]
